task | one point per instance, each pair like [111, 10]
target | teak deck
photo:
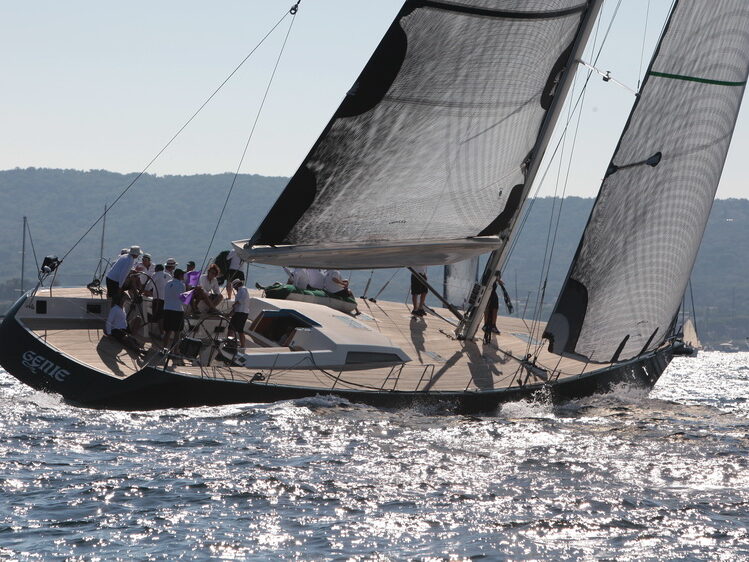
[439, 362]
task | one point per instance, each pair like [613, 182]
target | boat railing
[424, 372]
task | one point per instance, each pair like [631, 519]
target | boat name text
[35, 363]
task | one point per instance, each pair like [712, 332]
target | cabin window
[41, 307]
[278, 325]
[361, 357]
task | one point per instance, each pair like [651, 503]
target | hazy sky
[100, 85]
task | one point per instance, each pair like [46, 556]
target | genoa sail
[425, 160]
[625, 285]
[459, 281]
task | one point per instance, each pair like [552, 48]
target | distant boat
[688, 344]
[428, 161]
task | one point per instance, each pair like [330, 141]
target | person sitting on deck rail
[120, 271]
[208, 290]
[315, 278]
[299, 278]
[335, 284]
[117, 327]
[240, 311]
[174, 314]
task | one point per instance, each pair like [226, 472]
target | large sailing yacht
[428, 160]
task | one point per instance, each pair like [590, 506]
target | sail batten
[434, 137]
[633, 263]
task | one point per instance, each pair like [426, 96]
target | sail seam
[506, 14]
[696, 79]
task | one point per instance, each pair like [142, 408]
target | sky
[98, 85]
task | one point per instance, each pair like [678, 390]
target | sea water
[628, 476]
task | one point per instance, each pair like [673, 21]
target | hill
[175, 216]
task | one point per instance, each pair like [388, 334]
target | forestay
[430, 146]
[636, 255]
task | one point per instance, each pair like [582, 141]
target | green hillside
[175, 216]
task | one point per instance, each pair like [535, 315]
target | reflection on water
[629, 475]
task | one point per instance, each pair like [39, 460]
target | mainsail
[425, 160]
[633, 263]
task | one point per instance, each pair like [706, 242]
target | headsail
[425, 159]
[459, 281]
[626, 282]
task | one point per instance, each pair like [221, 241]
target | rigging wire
[182, 128]
[642, 49]
[578, 101]
[33, 250]
[292, 12]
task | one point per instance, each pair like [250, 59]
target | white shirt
[145, 272]
[235, 261]
[210, 286]
[420, 269]
[242, 300]
[121, 269]
[300, 278]
[331, 286]
[172, 291]
[116, 320]
[157, 284]
[316, 278]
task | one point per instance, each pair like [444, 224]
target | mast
[23, 254]
[103, 230]
[470, 323]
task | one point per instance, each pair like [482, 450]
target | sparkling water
[628, 476]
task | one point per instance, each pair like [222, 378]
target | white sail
[626, 283]
[426, 158]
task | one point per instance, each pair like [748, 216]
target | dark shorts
[238, 320]
[157, 310]
[235, 274]
[113, 288]
[342, 294]
[493, 301]
[417, 287]
[174, 320]
[119, 334]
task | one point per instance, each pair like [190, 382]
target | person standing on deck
[174, 314]
[145, 270]
[235, 263]
[156, 287]
[491, 310]
[419, 290]
[118, 275]
[240, 311]
[190, 268]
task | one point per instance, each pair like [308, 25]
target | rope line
[182, 128]
[292, 12]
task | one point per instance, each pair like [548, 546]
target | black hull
[156, 388]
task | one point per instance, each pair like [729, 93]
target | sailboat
[429, 160]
